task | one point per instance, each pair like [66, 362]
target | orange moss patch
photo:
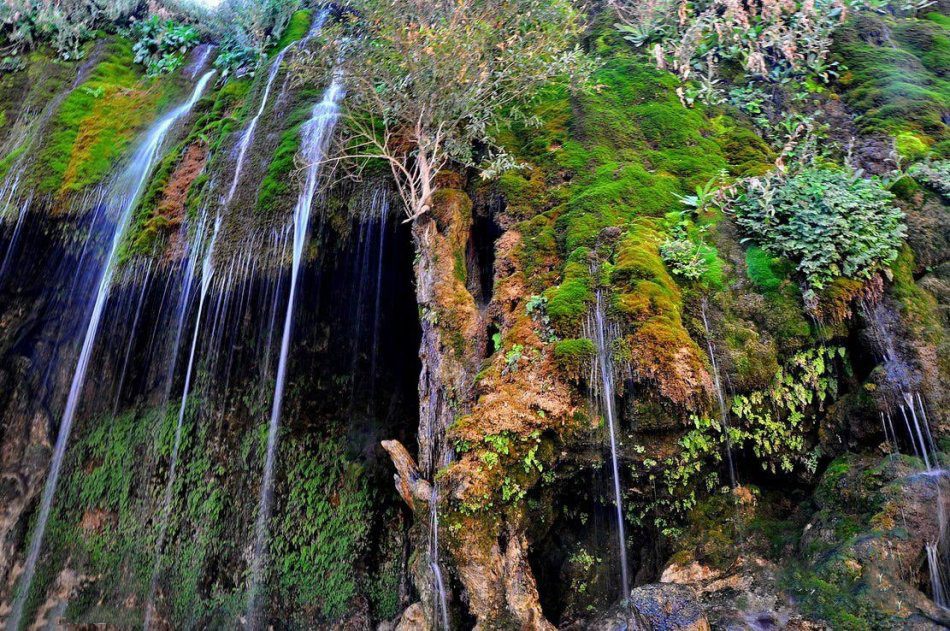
[95, 519]
[171, 208]
[521, 396]
[457, 315]
[666, 355]
[834, 303]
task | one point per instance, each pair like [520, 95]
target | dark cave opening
[575, 558]
[354, 365]
[480, 254]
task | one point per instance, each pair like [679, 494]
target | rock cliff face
[779, 450]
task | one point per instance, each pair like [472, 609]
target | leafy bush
[235, 57]
[161, 45]
[831, 223]
[934, 174]
[774, 41]
[65, 24]
[684, 257]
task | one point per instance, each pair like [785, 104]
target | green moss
[898, 83]
[11, 158]
[276, 184]
[905, 188]
[574, 355]
[918, 307]
[939, 18]
[96, 122]
[910, 146]
[537, 253]
[297, 28]
[766, 271]
[568, 302]
[748, 154]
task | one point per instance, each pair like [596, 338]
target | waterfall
[14, 237]
[204, 51]
[380, 200]
[207, 271]
[248, 134]
[125, 195]
[603, 335]
[937, 582]
[144, 284]
[438, 584]
[720, 396]
[316, 135]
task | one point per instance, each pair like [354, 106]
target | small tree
[428, 81]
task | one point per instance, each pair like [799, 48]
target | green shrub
[934, 174]
[831, 223]
[684, 257]
[161, 45]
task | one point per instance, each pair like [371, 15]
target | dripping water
[913, 411]
[127, 191]
[938, 583]
[720, 396]
[316, 134]
[11, 246]
[248, 134]
[207, 272]
[204, 52]
[381, 201]
[603, 334]
[438, 584]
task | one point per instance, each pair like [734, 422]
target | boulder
[656, 607]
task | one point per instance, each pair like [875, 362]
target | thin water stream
[316, 133]
[124, 197]
[207, 272]
[247, 136]
[600, 330]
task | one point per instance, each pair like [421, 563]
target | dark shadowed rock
[656, 607]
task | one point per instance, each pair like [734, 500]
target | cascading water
[720, 396]
[914, 413]
[380, 200]
[204, 51]
[123, 197]
[438, 584]
[938, 584]
[207, 272]
[248, 134]
[316, 135]
[599, 329]
[14, 237]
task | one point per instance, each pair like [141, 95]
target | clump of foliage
[769, 39]
[684, 257]
[256, 23]
[428, 82]
[66, 24]
[773, 423]
[160, 45]
[934, 174]
[313, 556]
[249, 28]
[235, 56]
[831, 223]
